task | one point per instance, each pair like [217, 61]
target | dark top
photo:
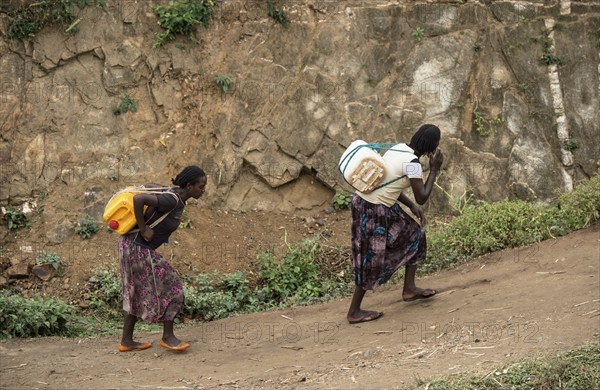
[162, 231]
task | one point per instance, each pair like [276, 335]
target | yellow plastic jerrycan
[118, 213]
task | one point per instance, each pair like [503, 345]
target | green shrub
[22, 317]
[577, 209]
[490, 227]
[210, 300]
[181, 17]
[295, 277]
[341, 200]
[86, 227]
[15, 218]
[106, 293]
[305, 274]
[483, 229]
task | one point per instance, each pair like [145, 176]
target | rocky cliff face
[525, 72]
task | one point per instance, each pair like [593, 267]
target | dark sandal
[372, 316]
[421, 296]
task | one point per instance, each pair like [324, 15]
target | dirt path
[504, 306]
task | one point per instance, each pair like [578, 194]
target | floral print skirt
[152, 290]
[383, 239]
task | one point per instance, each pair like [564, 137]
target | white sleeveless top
[399, 163]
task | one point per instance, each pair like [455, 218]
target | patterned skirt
[152, 289]
[383, 239]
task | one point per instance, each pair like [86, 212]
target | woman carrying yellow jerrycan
[152, 290]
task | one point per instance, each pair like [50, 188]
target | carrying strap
[377, 147]
[151, 190]
[162, 217]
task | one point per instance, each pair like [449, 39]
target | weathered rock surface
[18, 271]
[43, 271]
[341, 71]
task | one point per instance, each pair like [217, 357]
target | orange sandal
[140, 347]
[180, 347]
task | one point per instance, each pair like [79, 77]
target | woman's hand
[436, 161]
[418, 212]
[147, 233]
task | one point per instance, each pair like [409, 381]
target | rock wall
[342, 70]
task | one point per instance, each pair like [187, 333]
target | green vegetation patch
[86, 227]
[127, 104]
[278, 15]
[489, 227]
[23, 317]
[15, 218]
[577, 369]
[341, 200]
[485, 126]
[181, 17]
[305, 273]
[30, 18]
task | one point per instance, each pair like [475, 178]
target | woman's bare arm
[139, 201]
[421, 190]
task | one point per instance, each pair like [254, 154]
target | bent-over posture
[384, 236]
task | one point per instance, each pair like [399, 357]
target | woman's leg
[168, 335]
[169, 340]
[355, 314]
[411, 292]
[128, 326]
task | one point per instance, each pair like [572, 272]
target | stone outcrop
[342, 71]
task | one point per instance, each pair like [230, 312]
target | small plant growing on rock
[571, 145]
[86, 227]
[341, 200]
[278, 15]
[181, 17]
[549, 59]
[15, 218]
[127, 104]
[49, 258]
[32, 16]
[186, 222]
[223, 82]
[418, 33]
[484, 126]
